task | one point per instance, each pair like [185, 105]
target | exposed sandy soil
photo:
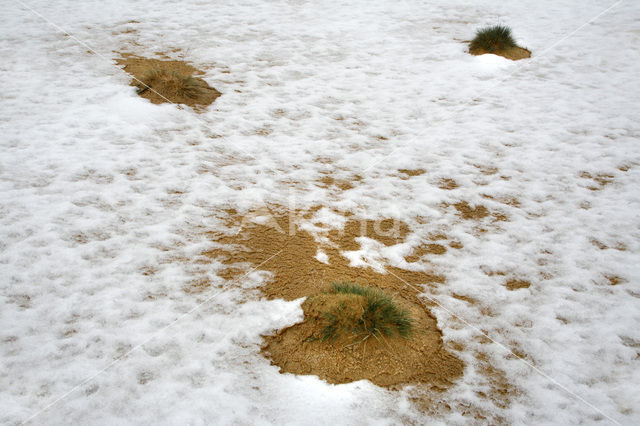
[471, 213]
[389, 361]
[412, 172]
[385, 361]
[514, 284]
[600, 180]
[386, 231]
[447, 183]
[169, 81]
[342, 184]
[514, 53]
[421, 251]
[614, 279]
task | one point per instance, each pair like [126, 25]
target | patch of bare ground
[448, 184]
[514, 53]
[324, 160]
[280, 247]
[516, 284]
[510, 201]
[499, 387]
[614, 279]
[21, 300]
[169, 81]
[477, 213]
[510, 283]
[387, 231]
[600, 179]
[342, 184]
[385, 361]
[456, 245]
[471, 213]
[467, 299]
[422, 251]
[412, 172]
[495, 390]
[632, 343]
[437, 236]
[599, 244]
[486, 170]
[491, 273]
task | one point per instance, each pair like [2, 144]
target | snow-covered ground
[105, 198]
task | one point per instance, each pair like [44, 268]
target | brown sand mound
[289, 253]
[169, 81]
[385, 361]
[514, 53]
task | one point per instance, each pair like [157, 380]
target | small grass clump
[492, 39]
[168, 81]
[364, 311]
[170, 84]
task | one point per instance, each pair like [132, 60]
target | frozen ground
[105, 197]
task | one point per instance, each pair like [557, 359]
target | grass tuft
[169, 83]
[492, 39]
[376, 313]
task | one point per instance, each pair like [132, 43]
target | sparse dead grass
[168, 81]
[171, 84]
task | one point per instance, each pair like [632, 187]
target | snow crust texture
[105, 200]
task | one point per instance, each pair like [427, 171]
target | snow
[103, 196]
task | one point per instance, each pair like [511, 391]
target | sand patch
[464, 298]
[324, 160]
[448, 184]
[486, 170]
[422, 251]
[385, 361]
[614, 279]
[387, 231]
[471, 213]
[499, 387]
[168, 81]
[412, 172]
[296, 250]
[599, 244]
[510, 201]
[280, 247]
[344, 185]
[601, 180]
[514, 284]
[456, 245]
[514, 53]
